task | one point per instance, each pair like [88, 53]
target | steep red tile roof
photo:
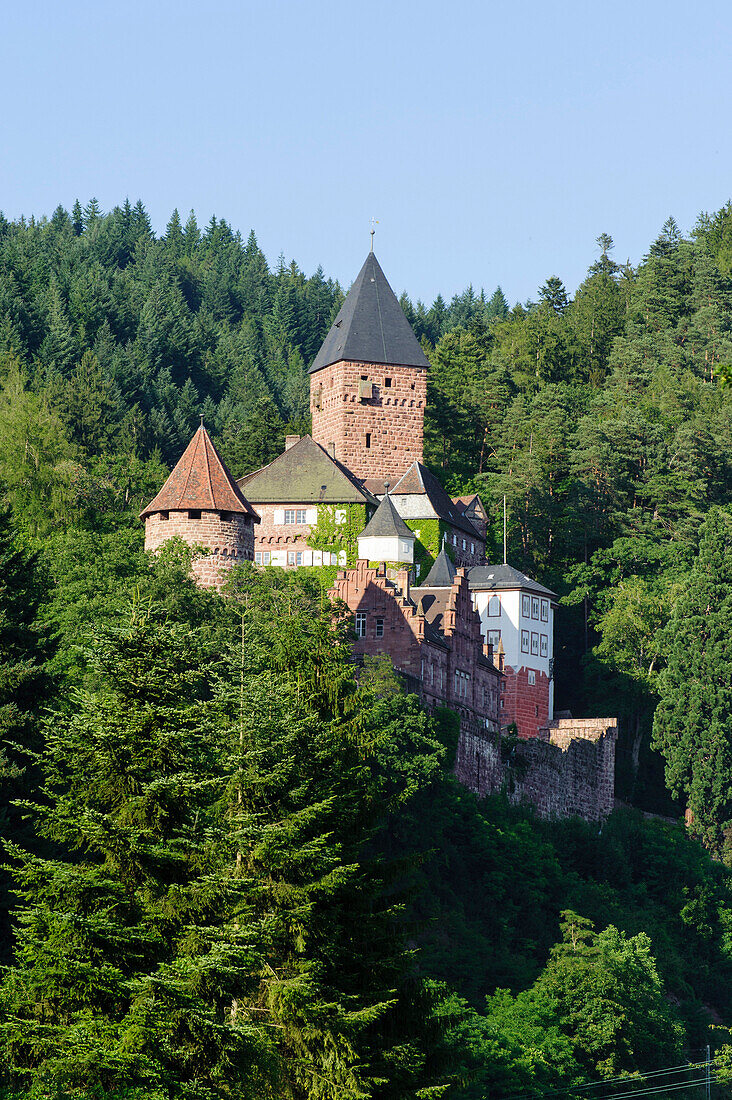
[200, 480]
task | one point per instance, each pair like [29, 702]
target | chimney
[291, 440]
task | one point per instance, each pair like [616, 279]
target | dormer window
[164, 515]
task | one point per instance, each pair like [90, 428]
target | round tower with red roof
[202, 504]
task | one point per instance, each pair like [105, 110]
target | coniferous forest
[231, 870]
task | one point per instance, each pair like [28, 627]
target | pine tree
[692, 726]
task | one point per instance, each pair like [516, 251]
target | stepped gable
[386, 523]
[305, 473]
[200, 481]
[371, 326]
[489, 577]
[442, 573]
[418, 480]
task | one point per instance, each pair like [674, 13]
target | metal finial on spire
[201, 416]
[374, 223]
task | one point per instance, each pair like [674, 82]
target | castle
[412, 569]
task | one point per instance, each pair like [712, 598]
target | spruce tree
[131, 942]
[24, 686]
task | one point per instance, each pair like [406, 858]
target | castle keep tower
[368, 383]
[201, 503]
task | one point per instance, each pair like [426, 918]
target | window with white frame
[296, 515]
[290, 557]
[465, 545]
[534, 607]
[454, 540]
[494, 607]
[262, 557]
[545, 611]
[534, 644]
[493, 637]
[360, 624]
[526, 606]
[524, 641]
[532, 677]
[544, 645]
[462, 680]
[472, 548]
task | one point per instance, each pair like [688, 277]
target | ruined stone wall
[229, 536]
[568, 771]
[380, 435]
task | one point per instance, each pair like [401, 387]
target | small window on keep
[379, 628]
[387, 383]
[368, 440]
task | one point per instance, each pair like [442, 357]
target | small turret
[386, 536]
[202, 504]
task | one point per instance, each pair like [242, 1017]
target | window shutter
[311, 516]
[279, 515]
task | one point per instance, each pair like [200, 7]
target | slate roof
[305, 473]
[200, 480]
[371, 326]
[442, 573]
[418, 480]
[471, 505]
[490, 577]
[386, 523]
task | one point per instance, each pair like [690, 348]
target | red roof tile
[200, 480]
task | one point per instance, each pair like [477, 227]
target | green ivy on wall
[428, 542]
[331, 537]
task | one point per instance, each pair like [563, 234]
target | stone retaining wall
[569, 770]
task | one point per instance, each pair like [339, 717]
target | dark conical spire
[386, 523]
[442, 573]
[371, 326]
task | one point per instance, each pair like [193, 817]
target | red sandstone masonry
[393, 416]
[229, 540]
[407, 641]
[523, 703]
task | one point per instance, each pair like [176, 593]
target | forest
[232, 869]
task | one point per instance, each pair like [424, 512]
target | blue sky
[494, 142]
